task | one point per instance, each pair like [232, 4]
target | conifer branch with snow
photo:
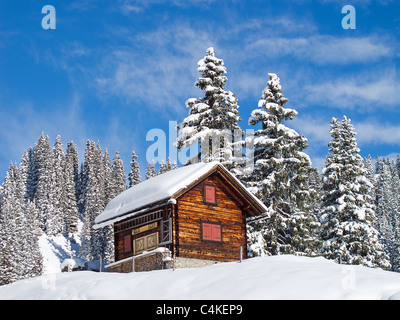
[348, 213]
[281, 178]
[212, 119]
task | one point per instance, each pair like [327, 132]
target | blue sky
[113, 70]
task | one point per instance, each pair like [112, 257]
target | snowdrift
[277, 277]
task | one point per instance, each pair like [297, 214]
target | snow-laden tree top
[214, 115]
[271, 106]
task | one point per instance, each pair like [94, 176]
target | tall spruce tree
[19, 250]
[134, 174]
[348, 214]
[70, 207]
[151, 170]
[44, 194]
[31, 174]
[388, 210]
[11, 224]
[163, 168]
[281, 178]
[24, 173]
[395, 254]
[32, 232]
[91, 203]
[72, 158]
[99, 183]
[118, 185]
[212, 119]
[118, 176]
[71, 193]
[56, 218]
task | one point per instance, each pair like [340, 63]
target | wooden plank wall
[192, 211]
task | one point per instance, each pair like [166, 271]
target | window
[127, 243]
[211, 231]
[209, 194]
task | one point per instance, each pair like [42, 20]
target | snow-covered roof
[159, 189]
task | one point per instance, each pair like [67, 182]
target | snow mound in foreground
[277, 277]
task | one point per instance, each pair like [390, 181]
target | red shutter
[211, 232]
[216, 232]
[127, 243]
[210, 194]
[207, 231]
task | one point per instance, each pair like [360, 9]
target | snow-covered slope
[277, 277]
[54, 251]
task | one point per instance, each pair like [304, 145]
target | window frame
[211, 223]
[205, 194]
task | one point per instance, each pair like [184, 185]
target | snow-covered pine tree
[1, 195]
[97, 206]
[134, 174]
[56, 219]
[33, 232]
[109, 190]
[370, 175]
[31, 175]
[44, 191]
[174, 165]
[315, 183]
[395, 255]
[71, 189]
[70, 206]
[168, 165]
[108, 182]
[72, 158]
[118, 176]
[387, 211]
[89, 202]
[24, 172]
[398, 163]
[281, 178]
[11, 232]
[32, 263]
[99, 183]
[117, 185]
[19, 250]
[384, 204]
[163, 168]
[151, 170]
[348, 215]
[213, 118]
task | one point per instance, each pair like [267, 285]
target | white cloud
[316, 129]
[137, 6]
[370, 93]
[325, 49]
[22, 125]
[359, 2]
[159, 70]
[377, 133]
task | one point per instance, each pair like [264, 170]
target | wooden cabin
[197, 212]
